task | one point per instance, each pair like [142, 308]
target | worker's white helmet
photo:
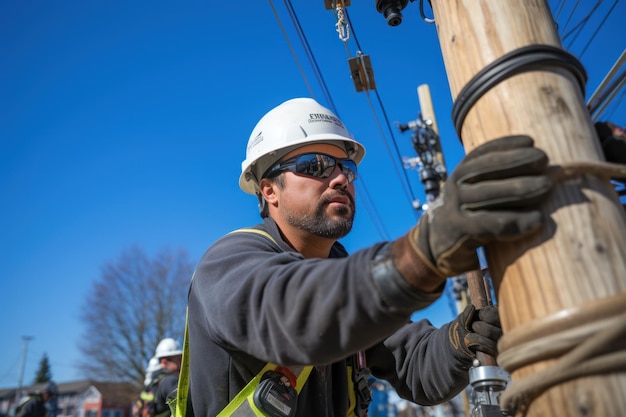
[167, 347]
[153, 365]
[292, 124]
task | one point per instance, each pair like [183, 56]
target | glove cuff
[418, 270]
[417, 243]
[399, 294]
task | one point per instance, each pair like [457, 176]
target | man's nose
[338, 177]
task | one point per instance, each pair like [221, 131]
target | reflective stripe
[257, 231]
[351, 394]
[147, 396]
[182, 391]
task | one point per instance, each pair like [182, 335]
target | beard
[319, 223]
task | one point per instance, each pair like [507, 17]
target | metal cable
[580, 25]
[293, 52]
[310, 55]
[606, 16]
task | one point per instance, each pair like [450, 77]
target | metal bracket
[362, 73]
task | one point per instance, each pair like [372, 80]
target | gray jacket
[254, 301]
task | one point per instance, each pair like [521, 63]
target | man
[34, 405]
[144, 406]
[165, 380]
[286, 292]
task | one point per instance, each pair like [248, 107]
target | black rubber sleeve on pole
[527, 58]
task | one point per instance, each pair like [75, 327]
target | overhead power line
[293, 52]
[307, 49]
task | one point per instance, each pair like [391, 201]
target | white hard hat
[292, 124]
[153, 365]
[167, 347]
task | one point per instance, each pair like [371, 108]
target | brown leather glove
[476, 330]
[492, 195]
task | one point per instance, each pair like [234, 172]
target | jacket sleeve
[291, 310]
[420, 363]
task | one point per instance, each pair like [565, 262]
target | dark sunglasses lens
[322, 166]
[349, 169]
[314, 165]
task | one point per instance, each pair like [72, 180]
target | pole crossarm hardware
[362, 73]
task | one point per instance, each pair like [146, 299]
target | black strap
[527, 58]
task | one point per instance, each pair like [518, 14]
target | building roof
[113, 393]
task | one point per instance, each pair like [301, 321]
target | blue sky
[125, 123]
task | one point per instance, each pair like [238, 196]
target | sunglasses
[317, 165]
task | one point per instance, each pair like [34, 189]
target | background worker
[142, 406]
[34, 404]
[287, 292]
[165, 380]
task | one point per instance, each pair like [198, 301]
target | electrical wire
[580, 25]
[293, 52]
[591, 38]
[571, 15]
[596, 110]
[307, 49]
[370, 207]
[560, 9]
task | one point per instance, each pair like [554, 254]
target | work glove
[492, 195]
[476, 331]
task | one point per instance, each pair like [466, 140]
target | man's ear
[268, 191]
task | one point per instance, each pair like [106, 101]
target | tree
[136, 302]
[44, 374]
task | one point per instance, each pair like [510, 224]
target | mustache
[339, 192]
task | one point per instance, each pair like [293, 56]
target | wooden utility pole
[561, 292]
[428, 113]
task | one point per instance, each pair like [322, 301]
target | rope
[598, 168]
[588, 358]
[591, 339]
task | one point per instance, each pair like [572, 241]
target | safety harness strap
[243, 405]
[179, 405]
